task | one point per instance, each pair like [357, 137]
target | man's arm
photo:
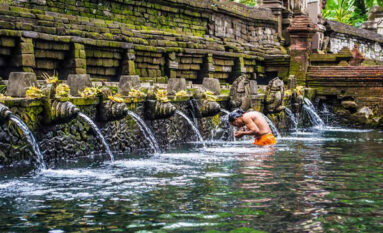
[251, 126]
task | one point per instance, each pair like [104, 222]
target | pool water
[321, 181]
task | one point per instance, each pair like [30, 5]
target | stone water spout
[111, 111]
[157, 107]
[205, 108]
[62, 112]
[202, 105]
[5, 113]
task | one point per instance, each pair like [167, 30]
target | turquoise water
[321, 181]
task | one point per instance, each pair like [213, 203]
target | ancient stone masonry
[152, 39]
[342, 35]
[362, 84]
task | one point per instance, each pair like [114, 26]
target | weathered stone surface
[274, 96]
[240, 93]
[128, 82]
[212, 85]
[78, 82]
[348, 104]
[175, 85]
[19, 82]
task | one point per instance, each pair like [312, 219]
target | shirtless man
[255, 125]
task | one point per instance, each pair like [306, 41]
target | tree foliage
[246, 2]
[353, 12]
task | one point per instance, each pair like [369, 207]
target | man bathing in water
[255, 124]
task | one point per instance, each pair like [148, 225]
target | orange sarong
[265, 140]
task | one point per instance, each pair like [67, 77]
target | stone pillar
[128, 63]
[301, 32]
[79, 59]
[207, 70]
[25, 57]
[277, 8]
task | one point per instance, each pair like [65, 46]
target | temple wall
[154, 39]
[342, 35]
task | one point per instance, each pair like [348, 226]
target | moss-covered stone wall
[154, 39]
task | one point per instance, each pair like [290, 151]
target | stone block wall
[342, 35]
[154, 39]
[363, 84]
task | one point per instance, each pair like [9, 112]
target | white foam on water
[188, 156]
[218, 174]
[308, 139]
[336, 129]
[187, 225]
[239, 150]
[149, 163]
[71, 173]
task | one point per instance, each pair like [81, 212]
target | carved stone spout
[205, 108]
[155, 109]
[111, 111]
[62, 112]
[5, 113]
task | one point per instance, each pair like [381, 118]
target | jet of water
[292, 118]
[272, 126]
[309, 103]
[313, 116]
[231, 128]
[196, 131]
[31, 140]
[146, 131]
[99, 134]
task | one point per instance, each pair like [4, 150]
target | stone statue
[357, 56]
[274, 96]
[240, 93]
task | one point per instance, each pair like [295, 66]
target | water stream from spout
[146, 131]
[231, 128]
[99, 134]
[272, 127]
[195, 129]
[292, 118]
[193, 112]
[312, 114]
[31, 140]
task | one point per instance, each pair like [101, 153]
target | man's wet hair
[235, 114]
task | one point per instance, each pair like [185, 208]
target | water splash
[146, 131]
[309, 103]
[314, 118]
[196, 131]
[292, 118]
[31, 140]
[272, 127]
[231, 128]
[99, 134]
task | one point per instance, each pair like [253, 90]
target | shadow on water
[319, 181]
